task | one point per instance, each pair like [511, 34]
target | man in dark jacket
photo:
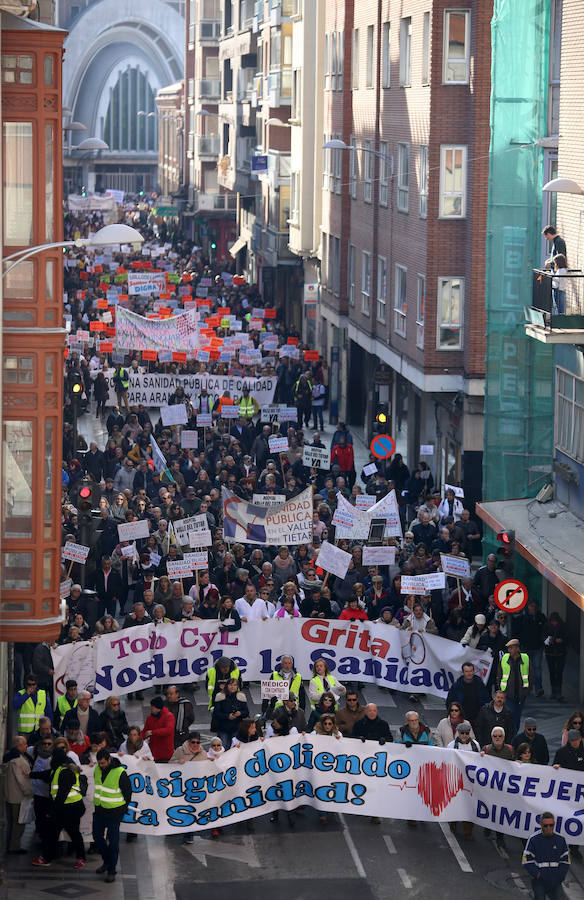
[532, 633]
[370, 727]
[88, 718]
[486, 580]
[425, 532]
[470, 692]
[492, 714]
[93, 462]
[571, 755]
[546, 859]
[182, 710]
[110, 808]
[539, 748]
[109, 587]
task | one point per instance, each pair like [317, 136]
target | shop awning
[240, 243]
[548, 535]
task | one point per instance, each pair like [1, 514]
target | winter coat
[162, 738]
[225, 704]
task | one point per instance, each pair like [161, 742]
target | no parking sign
[382, 446]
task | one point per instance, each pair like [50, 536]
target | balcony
[556, 314]
[280, 88]
[209, 31]
[215, 203]
[209, 88]
[208, 146]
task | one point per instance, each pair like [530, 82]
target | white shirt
[271, 733]
[143, 753]
[254, 613]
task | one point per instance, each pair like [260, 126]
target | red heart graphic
[437, 785]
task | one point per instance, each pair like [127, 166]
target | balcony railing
[208, 146]
[556, 314]
[280, 87]
[210, 87]
[215, 202]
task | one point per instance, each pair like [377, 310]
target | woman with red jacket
[353, 611]
[159, 730]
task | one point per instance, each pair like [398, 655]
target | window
[340, 59]
[49, 68]
[19, 369]
[405, 51]
[385, 56]
[426, 49]
[403, 177]
[325, 164]
[18, 189]
[124, 129]
[17, 479]
[351, 274]
[48, 504]
[452, 182]
[327, 62]
[370, 57]
[423, 193]
[297, 94]
[456, 46]
[17, 69]
[331, 263]
[337, 267]
[400, 300]
[420, 311]
[554, 70]
[334, 61]
[354, 169]
[338, 169]
[384, 173]
[365, 281]
[367, 171]
[16, 572]
[381, 288]
[570, 414]
[355, 74]
[450, 299]
[49, 183]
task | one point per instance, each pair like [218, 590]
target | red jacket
[344, 457]
[348, 614]
[162, 739]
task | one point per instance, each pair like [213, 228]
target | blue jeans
[516, 707]
[316, 417]
[110, 847]
[540, 892]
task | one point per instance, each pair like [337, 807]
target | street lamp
[109, 234]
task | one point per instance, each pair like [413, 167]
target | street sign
[382, 446]
[259, 163]
[511, 595]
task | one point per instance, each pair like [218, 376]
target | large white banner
[146, 283]
[386, 508]
[423, 784]
[147, 655]
[134, 332]
[154, 390]
[248, 523]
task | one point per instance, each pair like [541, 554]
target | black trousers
[67, 819]
[46, 826]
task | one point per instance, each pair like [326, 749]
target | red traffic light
[85, 492]
[506, 537]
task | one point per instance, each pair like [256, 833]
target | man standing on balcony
[557, 244]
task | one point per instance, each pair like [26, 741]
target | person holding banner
[230, 708]
[322, 681]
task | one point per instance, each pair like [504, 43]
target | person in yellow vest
[218, 676]
[515, 677]
[322, 681]
[113, 793]
[31, 704]
[68, 805]
[288, 673]
[248, 406]
[66, 702]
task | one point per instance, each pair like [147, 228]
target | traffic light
[506, 552]
[76, 386]
[381, 417]
[86, 497]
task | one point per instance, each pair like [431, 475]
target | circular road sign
[382, 446]
[511, 595]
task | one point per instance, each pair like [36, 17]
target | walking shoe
[110, 878]
[40, 861]
[79, 864]
[189, 839]
[101, 870]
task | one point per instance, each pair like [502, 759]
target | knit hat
[480, 619]
[574, 734]
[157, 702]
[463, 728]
[530, 722]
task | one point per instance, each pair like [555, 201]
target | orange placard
[98, 269]
[110, 330]
[214, 354]
[292, 341]
[164, 310]
[83, 275]
[187, 277]
[165, 295]
[269, 313]
[97, 326]
[223, 311]
[123, 298]
[311, 355]
[121, 270]
[136, 264]
[106, 347]
[179, 357]
[102, 303]
[149, 355]
[104, 286]
[203, 301]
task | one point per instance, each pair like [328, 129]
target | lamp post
[109, 234]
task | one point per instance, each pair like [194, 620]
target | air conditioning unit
[546, 494]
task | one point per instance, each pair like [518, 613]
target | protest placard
[426, 449]
[269, 499]
[288, 414]
[128, 551]
[458, 491]
[204, 420]
[182, 527]
[454, 565]
[65, 588]
[378, 556]
[435, 581]
[334, 560]
[174, 415]
[178, 568]
[189, 439]
[196, 561]
[371, 469]
[131, 531]
[270, 413]
[202, 537]
[278, 689]
[364, 501]
[315, 457]
[413, 584]
[248, 523]
[75, 552]
[343, 516]
[155, 558]
[278, 444]
[230, 412]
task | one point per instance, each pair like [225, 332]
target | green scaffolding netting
[518, 439]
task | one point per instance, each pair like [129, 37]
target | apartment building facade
[404, 187]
